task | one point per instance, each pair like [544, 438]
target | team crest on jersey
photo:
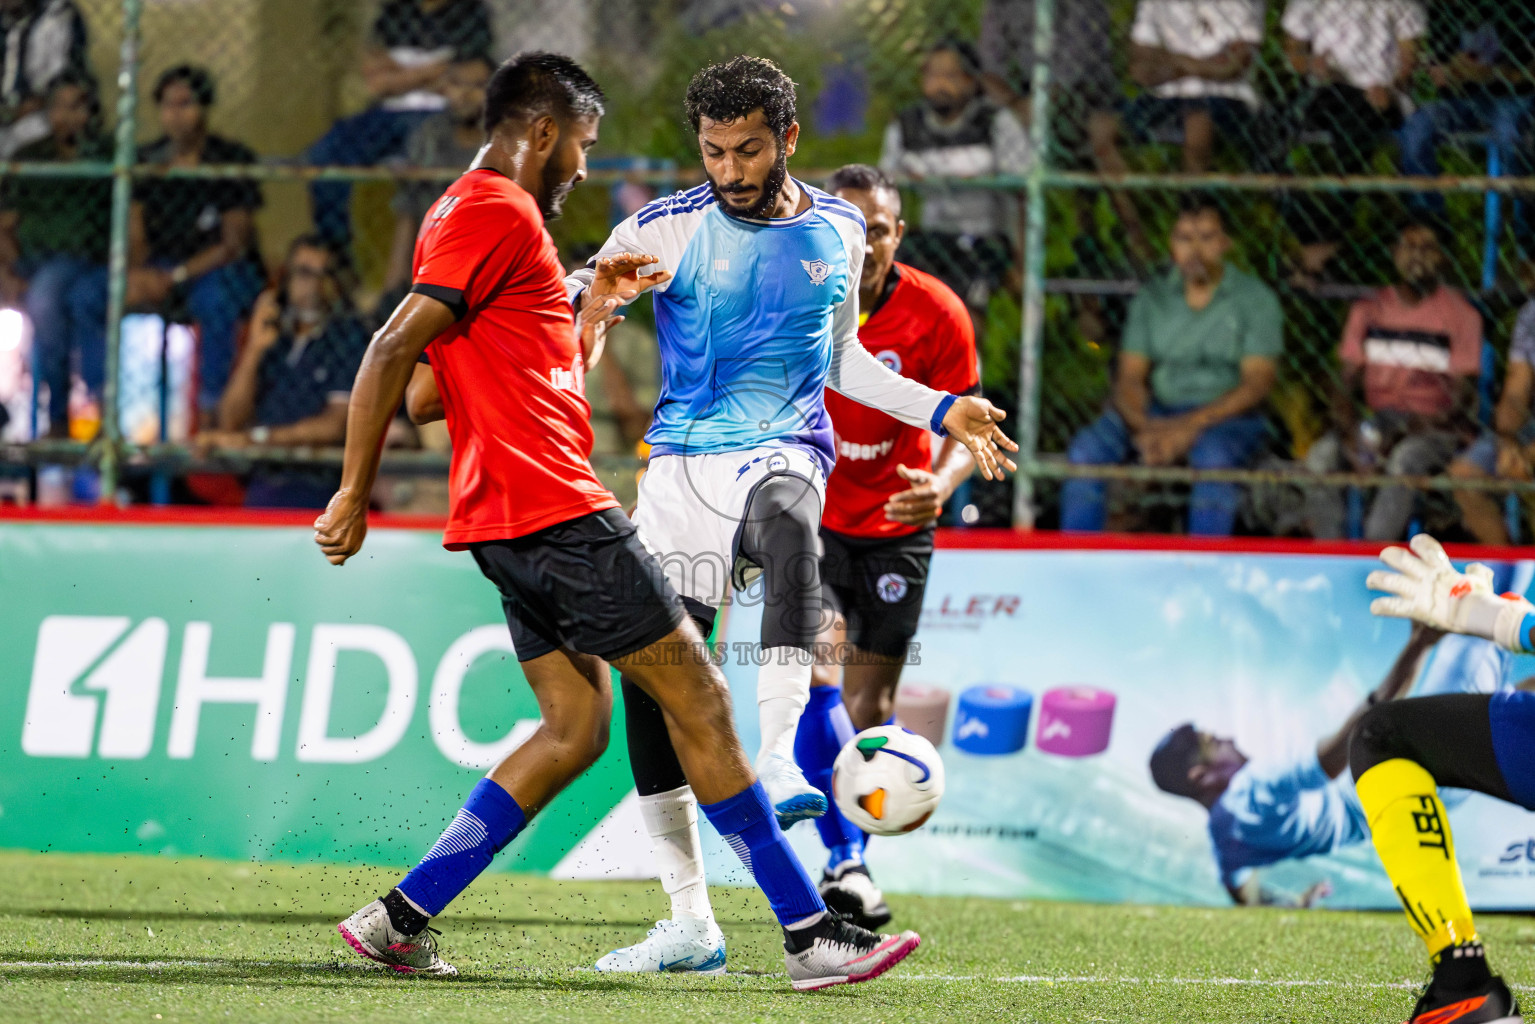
[891, 587]
[890, 358]
[819, 270]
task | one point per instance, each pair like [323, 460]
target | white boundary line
[1015, 979]
[1048, 979]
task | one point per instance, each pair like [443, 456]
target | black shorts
[586, 584]
[877, 585]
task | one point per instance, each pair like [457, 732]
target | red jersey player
[882, 499]
[579, 590]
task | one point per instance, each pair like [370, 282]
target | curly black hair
[532, 84]
[725, 92]
[198, 79]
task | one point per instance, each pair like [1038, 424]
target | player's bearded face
[753, 200]
[566, 167]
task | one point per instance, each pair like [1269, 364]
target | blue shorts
[1512, 714]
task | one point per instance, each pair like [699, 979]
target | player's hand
[1316, 894]
[592, 323]
[343, 525]
[1429, 590]
[207, 441]
[919, 505]
[1513, 461]
[973, 423]
[619, 274]
[265, 321]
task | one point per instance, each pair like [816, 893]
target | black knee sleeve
[780, 533]
[651, 755]
[1450, 737]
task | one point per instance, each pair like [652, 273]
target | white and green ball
[887, 781]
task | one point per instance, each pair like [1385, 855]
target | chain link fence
[1047, 194]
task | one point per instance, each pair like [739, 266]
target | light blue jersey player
[1402, 753]
[755, 277]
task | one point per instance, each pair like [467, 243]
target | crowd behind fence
[1235, 267]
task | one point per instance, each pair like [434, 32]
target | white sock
[783, 690]
[671, 818]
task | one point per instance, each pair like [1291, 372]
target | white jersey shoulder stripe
[692, 200]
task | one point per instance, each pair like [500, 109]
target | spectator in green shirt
[54, 230]
[1197, 364]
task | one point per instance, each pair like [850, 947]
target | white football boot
[370, 932]
[846, 956]
[793, 798]
[686, 945]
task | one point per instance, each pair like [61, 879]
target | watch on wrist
[179, 274]
[260, 435]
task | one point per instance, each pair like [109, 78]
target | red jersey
[510, 370]
[922, 331]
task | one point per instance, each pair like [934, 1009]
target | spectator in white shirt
[1192, 60]
[1356, 56]
[966, 236]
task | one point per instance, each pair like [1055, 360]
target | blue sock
[489, 819]
[824, 729]
[748, 824]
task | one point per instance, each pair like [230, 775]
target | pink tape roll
[924, 710]
[1075, 721]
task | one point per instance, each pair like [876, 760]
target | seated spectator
[1482, 62]
[192, 241]
[965, 239]
[1196, 366]
[39, 41]
[1357, 55]
[1082, 86]
[53, 231]
[294, 377]
[450, 138]
[411, 47]
[1193, 62]
[1413, 351]
[1507, 451]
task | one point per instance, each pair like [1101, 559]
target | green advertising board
[225, 692]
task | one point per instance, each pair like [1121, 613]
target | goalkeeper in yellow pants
[1402, 752]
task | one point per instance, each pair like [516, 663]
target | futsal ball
[887, 781]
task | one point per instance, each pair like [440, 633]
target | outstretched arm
[1332, 752]
[1426, 588]
[970, 420]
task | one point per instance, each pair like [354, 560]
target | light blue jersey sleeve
[757, 320]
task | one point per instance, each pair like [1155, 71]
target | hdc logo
[100, 654]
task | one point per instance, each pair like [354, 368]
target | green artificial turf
[108, 939]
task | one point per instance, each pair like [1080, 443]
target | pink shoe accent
[897, 949]
[357, 945]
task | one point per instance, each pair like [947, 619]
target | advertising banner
[223, 692]
[1050, 677]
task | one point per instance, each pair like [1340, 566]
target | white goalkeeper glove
[1428, 589]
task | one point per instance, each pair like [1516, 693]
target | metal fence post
[1032, 347]
[123, 159]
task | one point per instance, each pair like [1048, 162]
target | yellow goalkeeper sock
[1412, 835]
